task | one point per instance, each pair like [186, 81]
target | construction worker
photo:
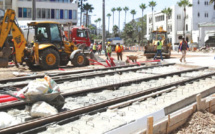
[183, 47]
[99, 48]
[119, 49]
[108, 50]
[94, 48]
[159, 49]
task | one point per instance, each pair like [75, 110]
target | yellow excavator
[151, 47]
[48, 50]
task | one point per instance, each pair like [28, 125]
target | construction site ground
[193, 59]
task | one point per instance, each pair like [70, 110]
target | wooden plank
[150, 125]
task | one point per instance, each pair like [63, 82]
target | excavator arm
[8, 24]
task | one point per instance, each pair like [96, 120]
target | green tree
[87, 8]
[184, 4]
[115, 30]
[119, 9]
[125, 9]
[80, 5]
[142, 7]
[113, 10]
[211, 2]
[133, 12]
[152, 4]
[108, 15]
[167, 12]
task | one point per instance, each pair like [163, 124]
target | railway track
[72, 76]
[105, 101]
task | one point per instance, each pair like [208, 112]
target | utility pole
[103, 22]
[81, 14]
[33, 9]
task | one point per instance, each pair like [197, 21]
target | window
[82, 33]
[55, 34]
[198, 2]
[150, 20]
[39, 11]
[20, 12]
[159, 18]
[186, 27]
[24, 12]
[57, 13]
[70, 14]
[206, 3]
[61, 14]
[42, 34]
[74, 14]
[52, 14]
[43, 13]
[48, 13]
[178, 17]
[29, 12]
[65, 14]
[198, 14]
[170, 28]
[206, 15]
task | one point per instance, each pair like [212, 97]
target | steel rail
[21, 104]
[63, 115]
[92, 74]
[64, 73]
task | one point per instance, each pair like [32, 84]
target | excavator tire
[49, 59]
[79, 60]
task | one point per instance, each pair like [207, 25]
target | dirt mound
[199, 123]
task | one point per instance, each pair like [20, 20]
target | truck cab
[79, 35]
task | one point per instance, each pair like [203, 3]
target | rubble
[199, 123]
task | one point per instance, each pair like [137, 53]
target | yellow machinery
[47, 50]
[151, 48]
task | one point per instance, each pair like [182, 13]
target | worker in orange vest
[119, 49]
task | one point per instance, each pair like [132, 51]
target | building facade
[46, 10]
[200, 12]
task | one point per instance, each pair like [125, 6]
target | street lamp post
[103, 22]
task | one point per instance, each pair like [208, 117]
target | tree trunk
[113, 18]
[81, 14]
[184, 23]
[119, 21]
[87, 19]
[108, 25]
[125, 17]
[152, 20]
[142, 28]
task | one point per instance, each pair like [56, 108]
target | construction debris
[199, 123]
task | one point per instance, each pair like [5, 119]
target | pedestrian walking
[94, 48]
[108, 50]
[119, 49]
[159, 49]
[183, 47]
[99, 48]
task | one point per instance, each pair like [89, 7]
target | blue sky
[132, 4]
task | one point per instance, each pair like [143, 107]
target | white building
[46, 10]
[201, 12]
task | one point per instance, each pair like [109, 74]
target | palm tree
[96, 21]
[80, 5]
[168, 12]
[108, 15]
[99, 20]
[87, 8]
[115, 30]
[133, 12]
[142, 7]
[184, 4]
[211, 2]
[125, 9]
[119, 9]
[152, 4]
[113, 10]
